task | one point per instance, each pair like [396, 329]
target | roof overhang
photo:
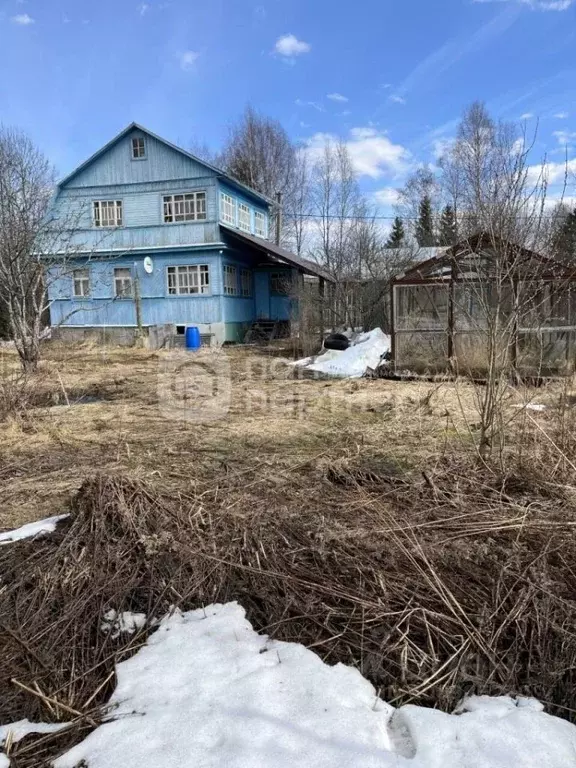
[276, 253]
[438, 269]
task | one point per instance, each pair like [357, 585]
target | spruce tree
[397, 234]
[425, 224]
[564, 245]
[448, 234]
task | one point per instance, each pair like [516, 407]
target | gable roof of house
[276, 252]
[136, 126]
[439, 265]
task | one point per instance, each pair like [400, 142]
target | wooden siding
[101, 308]
[236, 309]
[262, 294]
[142, 216]
[133, 238]
[179, 310]
[157, 306]
[116, 166]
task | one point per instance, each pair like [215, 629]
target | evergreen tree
[448, 234]
[564, 245]
[397, 234]
[425, 224]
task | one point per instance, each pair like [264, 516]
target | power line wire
[403, 218]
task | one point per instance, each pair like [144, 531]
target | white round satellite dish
[148, 265]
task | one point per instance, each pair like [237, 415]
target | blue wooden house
[159, 237]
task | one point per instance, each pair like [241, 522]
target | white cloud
[519, 146]
[551, 173]
[143, 8]
[568, 200]
[527, 116]
[565, 138]
[314, 104]
[188, 59]
[441, 146]
[561, 115]
[23, 18]
[537, 5]
[387, 196]
[337, 97]
[372, 152]
[397, 99]
[289, 46]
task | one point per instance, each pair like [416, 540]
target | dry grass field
[354, 516]
[97, 409]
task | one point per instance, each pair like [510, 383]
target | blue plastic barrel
[192, 337]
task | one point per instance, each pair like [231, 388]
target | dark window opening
[180, 330]
[280, 283]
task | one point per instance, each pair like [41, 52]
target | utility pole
[278, 217]
[138, 305]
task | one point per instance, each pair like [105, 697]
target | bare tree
[337, 204]
[26, 185]
[297, 205]
[500, 289]
[204, 152]
[38, 241]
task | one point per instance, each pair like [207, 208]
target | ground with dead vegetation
[352, 516]
[104, 409]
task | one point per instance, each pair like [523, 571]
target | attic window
[138, 148]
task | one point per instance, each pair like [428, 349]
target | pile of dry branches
[433, 587]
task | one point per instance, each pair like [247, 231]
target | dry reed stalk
[433, 589]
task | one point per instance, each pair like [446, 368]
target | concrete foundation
[155, 336]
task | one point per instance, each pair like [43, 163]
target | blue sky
[390, 76]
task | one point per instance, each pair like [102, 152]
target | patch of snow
[531, 406]
[497, 705]
[207, 690]
[22, 728]
[366, 351]
[39, 528]
[494, 733]
[121, 623]
[16, 731]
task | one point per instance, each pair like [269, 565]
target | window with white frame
[107, 213]
[122, 282]
[244, 218]
[227, 208]
[81, 278]
[186, 207]
[230, 280]
[245, 282]
[138, 148]
[188, 279]
[260, 228]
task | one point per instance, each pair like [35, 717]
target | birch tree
[37, 243]
[26, 184]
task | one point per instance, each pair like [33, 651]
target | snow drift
[366, 351]
[208, 690]
[39, 528]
